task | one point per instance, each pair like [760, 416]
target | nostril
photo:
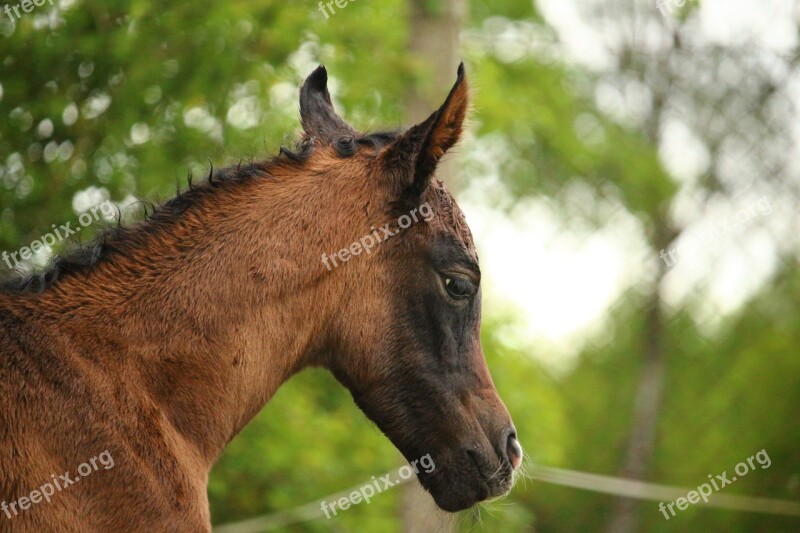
[514, 451]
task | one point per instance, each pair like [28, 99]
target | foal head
[405, 339]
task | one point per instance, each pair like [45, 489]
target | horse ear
[421, 148]
[316, 109]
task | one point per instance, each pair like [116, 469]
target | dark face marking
[433, 393]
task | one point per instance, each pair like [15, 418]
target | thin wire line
[628, 488]
[642, 490]
[304, 513]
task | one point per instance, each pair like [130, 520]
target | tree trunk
[433, 45]
[419, 513]
[649, 392]
[646, 411]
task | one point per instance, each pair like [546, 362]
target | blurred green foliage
[165, 87]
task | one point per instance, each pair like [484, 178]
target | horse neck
[207, 315]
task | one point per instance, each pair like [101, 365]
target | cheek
[463, 330]
[429, 323]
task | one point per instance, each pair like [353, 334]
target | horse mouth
[497, 482]
[485, 489]
[471, 481]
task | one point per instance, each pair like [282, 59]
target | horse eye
[459, 288]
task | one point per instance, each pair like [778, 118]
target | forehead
[453, 236]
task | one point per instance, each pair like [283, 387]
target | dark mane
[79, 258]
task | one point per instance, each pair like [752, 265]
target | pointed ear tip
[318, 78]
